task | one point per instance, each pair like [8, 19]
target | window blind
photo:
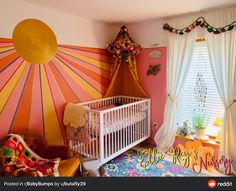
[187, 103]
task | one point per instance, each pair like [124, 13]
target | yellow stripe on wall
[82, 83]
[2, 49]
[51, 124]
[7, 90]
[98, 63]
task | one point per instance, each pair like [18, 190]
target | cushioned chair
[69, 164]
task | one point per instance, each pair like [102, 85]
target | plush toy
[185, 129]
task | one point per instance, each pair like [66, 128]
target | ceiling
[129, 11]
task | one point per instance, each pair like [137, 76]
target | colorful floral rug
[128, 165]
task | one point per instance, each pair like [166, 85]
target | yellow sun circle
[34, 41]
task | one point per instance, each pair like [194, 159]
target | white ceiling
[128, 11]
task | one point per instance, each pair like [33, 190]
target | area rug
[128, 165]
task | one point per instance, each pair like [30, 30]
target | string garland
[202, 23]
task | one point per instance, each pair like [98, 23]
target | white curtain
[222, 52]
[180, 50]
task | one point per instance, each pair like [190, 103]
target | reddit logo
[211, 183]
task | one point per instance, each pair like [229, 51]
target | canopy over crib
[124, 76]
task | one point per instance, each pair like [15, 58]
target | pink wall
[154, 85]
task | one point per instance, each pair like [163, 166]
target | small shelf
[210, 142]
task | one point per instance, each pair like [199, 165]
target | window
[200, 79]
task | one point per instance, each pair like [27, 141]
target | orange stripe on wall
[5, 40]
[36, 113]
[89, 66]
[90, 73]
[68, 94]
[8, 59]
[94, 50]
[23, 113]
[7, 74]
[4, 54]
[101, 57]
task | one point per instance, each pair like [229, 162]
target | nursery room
[123, 88]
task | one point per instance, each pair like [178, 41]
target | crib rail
[110, 100]
[113, 131]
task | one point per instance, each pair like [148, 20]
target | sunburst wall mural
[33, 96]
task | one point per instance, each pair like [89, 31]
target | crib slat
[101, 140]
[140, 118]
[95, 136]
[141, 129]
[135, 121]
[139, 123]
[123, 129]
[129, 123]
[112, 128]
[132, 122]
[148, 117]
[115, 129]
[78, 147]
[137, 126]
[144, 121]
[108, 134]
[83, 148]
[87, 144]
[118, 131]
[90, 143]
[105, 135]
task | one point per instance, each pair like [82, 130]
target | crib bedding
[115, 123]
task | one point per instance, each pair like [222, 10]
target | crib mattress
[114, 124]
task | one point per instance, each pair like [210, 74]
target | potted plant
[199, 123]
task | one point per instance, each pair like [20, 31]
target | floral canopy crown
[124, 46]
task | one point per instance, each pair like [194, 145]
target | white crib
[114, 130]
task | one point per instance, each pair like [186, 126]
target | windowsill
[210, 142]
